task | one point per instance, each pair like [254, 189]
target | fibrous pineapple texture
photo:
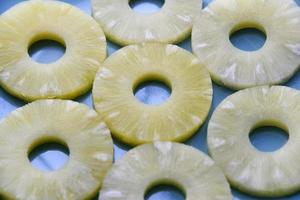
[124, 26]
[134, 122]
[34, 20]
[274, 63]
[75, 125]
[248, 169]
[165, 163]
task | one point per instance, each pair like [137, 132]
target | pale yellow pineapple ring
[250, 170]
[274, 63]
[134, 122]
[67, 122]
[124, 26]
[165, 163]
[68, 77]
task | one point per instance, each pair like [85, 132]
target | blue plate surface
[51, 157]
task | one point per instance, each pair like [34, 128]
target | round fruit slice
[134, 122]
[250, 170]
[66, 122]
[36, 20]
[274, 63]
[124, 26]
[165, 163]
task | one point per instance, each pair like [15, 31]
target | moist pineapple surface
[35, 20]
[9, 103]
[134, 122]
[165, 162]
[274, 63]
[248, 169]
[80, 128]
[124, 26]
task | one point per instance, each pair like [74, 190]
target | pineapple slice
[274, 63]
[34, 20]
[125, 26]
[165, 163]
[63, 121]
[248, 169]
[134, 122]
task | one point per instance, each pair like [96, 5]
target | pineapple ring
[274, 63]
[134, 122]
[121, 24]
[68, 77]
[180, 165]
[248, 169]
[63, 121]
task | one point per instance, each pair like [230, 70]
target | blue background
[51, 157]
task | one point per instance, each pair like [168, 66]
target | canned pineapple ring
[169, 163]
[248, 169]
[63, 121]
[274, 63]
[68, 77]
[134, 122]
[124, 26]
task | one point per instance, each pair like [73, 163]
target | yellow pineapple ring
[274, 63]
[134, 122]
[250, 170]
[165, 163]
[68, 77]
[75, 125]
[124, 26]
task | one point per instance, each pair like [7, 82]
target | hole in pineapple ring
[205, 3]
[46, 49]
[146, 6]
[49, 156]
[164, 191]
[248, 36]
[268, 137]
[154, 91]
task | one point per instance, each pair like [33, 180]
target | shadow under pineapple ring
[68, 77]
[275, 62]
[258, 173]
[66, 122]
[133, 122]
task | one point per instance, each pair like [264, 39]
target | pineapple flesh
[81, 129]
[274, 63]
[165, 163]
[134, 122]
[68, 77]
[124, 26]
[248, 169]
